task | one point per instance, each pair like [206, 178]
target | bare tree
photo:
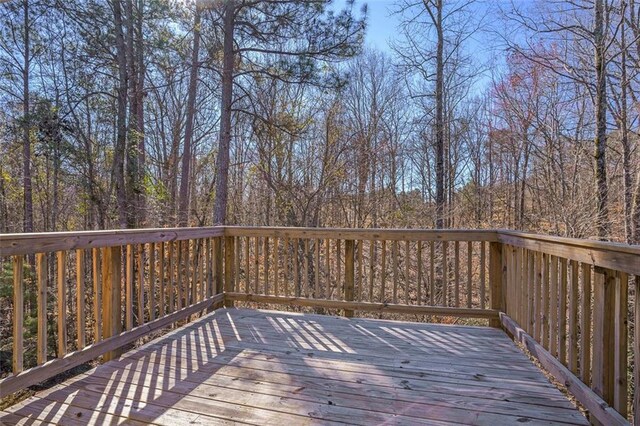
[183, 203]
[282, 40]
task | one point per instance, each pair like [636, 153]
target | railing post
[111, 303]
[229, 256]
[496, 277]
[349, 274]
[603, 367]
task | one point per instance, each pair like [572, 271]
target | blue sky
[382, 28]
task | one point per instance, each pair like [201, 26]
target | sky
[382, 25]
[382, 29]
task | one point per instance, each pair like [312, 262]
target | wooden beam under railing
[391, 308]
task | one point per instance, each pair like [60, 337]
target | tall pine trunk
[600, 159]
[222, 161]
[121, 117]
[626, 145]
[440, 201]
[26, 142]
[183, 205]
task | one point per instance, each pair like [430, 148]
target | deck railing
[138, 282]
[396, 271]
[566, 300]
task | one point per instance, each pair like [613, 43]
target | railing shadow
[267, 367]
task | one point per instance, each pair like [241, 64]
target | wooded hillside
[147, 113]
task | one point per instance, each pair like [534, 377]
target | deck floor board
[267, 367]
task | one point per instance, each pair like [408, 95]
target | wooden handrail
[40, 242]
[388, 234]
[620, 257]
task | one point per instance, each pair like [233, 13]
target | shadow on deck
[266, 367]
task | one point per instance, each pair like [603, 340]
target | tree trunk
[439, 119]
[222, 161]
[183, 205]
[636, 215]
[121, 117]
[626, 146]
[139, 95]
[26, 143]
[600, 158]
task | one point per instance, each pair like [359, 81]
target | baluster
[41, 272]
[348, 274]
[18, 313]
[62, 299]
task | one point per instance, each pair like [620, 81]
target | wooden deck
[266, 367]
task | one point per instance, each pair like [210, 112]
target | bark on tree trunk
[26, 147]
[222, 161]
[636, 215]
[600, 159]
[183, 209]
[626, 148]
[121, 116]
[139, 94]
[439, 119]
